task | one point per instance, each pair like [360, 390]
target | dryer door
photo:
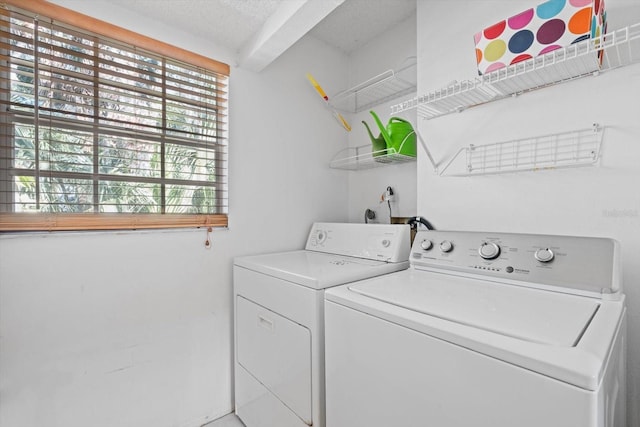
[277, 352]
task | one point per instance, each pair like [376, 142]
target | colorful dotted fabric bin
[539, 30]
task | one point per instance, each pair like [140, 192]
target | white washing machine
[483, 330]
[279, 317]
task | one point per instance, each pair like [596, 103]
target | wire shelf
[363, 157]
[384, 87]
[621, 47]
[358, 158]
[560, 150]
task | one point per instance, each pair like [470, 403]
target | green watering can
[398, 137]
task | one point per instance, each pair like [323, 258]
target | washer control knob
[489, 250]
[321, 236]
[446, 246]
[386, 243]
[426, 244]
[544, 255]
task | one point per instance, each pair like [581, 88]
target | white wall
[591, 201]
[386, 52]
[135, 328]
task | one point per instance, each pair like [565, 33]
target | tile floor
[227, 421]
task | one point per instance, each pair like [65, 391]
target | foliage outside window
[92, 127]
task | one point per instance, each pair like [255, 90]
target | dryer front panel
[276, 352]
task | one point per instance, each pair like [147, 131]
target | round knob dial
[489, 250]
[544, 255]
[446, 246]
[426, 244]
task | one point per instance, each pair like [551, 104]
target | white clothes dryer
[483, 330]
[279, 317]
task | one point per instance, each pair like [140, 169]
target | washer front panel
[380, 374]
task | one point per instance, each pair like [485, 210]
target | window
[101, 133]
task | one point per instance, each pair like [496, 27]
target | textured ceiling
[232, 23]
[355, 22]
[229, 23]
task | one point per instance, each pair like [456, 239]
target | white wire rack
[621, 47]
[389, 85]
[363, 157]
[357, 158]
[560, 150]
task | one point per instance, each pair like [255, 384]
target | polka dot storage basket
[551, 25]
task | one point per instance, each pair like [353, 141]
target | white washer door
[277, 352]
[527, 314]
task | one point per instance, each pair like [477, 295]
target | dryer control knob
[446, 246]
[544, 255]
[489, 250]
[426, 244]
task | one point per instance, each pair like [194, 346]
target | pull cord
[207, 242]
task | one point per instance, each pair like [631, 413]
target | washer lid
[317, 270]
[527, 314]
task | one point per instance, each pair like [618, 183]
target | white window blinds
[93, 125]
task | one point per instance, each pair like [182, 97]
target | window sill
[76, 222]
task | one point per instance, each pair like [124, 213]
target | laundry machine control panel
[583, 265]
[382, 242]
